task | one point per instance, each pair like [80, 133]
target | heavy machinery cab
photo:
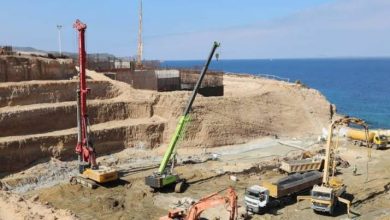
[380, 140]
[322, 193]
[256, 197]
[157, 181]
[322, 199]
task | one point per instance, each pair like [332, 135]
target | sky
[184, 29]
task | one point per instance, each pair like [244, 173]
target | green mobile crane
[165, 176]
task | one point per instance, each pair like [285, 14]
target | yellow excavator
[325, 197]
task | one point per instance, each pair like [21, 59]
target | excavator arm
[213, 200]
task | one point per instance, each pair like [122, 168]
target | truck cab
[322, 199]
[380, 141]
[256, 199]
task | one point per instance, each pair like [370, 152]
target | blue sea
[359, 87]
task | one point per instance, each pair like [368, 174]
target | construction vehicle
[194, 212]
[358, 137]
[91, 174]
[165, 176]
[325, 197]
[300, 166]
[274, 193]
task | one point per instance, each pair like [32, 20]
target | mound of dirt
[251, 108]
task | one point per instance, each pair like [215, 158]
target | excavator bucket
[174, 214]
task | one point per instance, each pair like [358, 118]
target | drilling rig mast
[91, 173]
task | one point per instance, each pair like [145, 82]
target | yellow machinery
[325, 197]
[101, 175]
[358, 137]
[92, 177]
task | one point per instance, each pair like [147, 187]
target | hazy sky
[184, 29]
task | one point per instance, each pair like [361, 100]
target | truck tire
[180, 186]
[331, 212]
[335, 204]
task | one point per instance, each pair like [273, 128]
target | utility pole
[140, 44]
[59, 38]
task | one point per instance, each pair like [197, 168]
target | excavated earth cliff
[38, 118]
[16, 68]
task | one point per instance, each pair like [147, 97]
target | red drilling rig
[84, 147]
[88, 167]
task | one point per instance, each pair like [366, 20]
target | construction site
[87, 139]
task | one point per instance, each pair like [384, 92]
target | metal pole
[140, 43]
[59, 39]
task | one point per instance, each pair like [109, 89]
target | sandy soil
[18, 208]
[130, 198]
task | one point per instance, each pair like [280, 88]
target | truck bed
[297, 166]
[293, 183]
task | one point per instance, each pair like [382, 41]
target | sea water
[359, 87]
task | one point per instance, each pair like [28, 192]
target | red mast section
[84, 147]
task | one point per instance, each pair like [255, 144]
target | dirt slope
[251, 108]
[39, 121]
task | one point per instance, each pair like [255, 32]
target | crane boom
[341, 121]
[163, 177]
[183, 119]
[325, 197]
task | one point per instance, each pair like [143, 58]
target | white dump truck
[274, 193]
